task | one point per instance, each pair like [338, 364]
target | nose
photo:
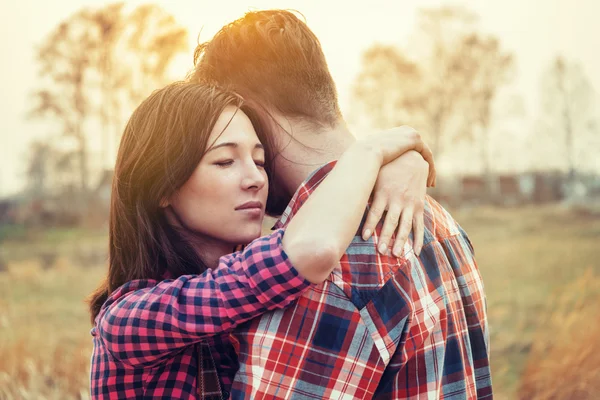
[254, 178]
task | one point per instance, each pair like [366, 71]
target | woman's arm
[144, 321]
[321, 231]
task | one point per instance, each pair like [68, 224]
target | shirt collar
[303, 192]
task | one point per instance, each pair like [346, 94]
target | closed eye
[224, 163]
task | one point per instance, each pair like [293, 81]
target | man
[381, 326]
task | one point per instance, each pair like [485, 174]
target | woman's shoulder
[132, 286]
[124, 290]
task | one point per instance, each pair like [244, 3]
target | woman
[190, 184]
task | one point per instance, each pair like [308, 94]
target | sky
[534, 31]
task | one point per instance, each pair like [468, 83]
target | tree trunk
[490, 189]
[569, 147]
[83, 162]
[80, 113]
[105, 108]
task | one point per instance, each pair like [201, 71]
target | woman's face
[225, 197]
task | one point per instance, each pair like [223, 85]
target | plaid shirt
[148, 335]
[379, 327]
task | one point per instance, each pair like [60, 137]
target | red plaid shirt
[149, 334]
[379, 327]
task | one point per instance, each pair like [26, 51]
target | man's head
[273, 57]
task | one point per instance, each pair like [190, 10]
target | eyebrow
[234, 145]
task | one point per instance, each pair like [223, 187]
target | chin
[249, 233]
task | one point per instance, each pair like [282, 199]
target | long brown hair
[162, 145]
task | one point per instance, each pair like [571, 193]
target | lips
[251, 205]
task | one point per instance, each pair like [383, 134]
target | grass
[21, 244]
[540, 267]
[44, 340]
[529, 257]
[564, 361]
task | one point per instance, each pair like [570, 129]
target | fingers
[418, 231]
[374, 216]
[428, 157]
[389, 226]
[421, 147]
[406, 222]
[431, 177]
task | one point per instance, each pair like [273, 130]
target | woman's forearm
[320, 232]
[144, 322]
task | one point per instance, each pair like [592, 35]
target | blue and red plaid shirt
[380, 327]
[148, 335]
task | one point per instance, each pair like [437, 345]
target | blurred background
[505, 93]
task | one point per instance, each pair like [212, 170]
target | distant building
[8, 211]
[513, 189]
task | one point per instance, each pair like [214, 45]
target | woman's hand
[400, 187]
[392, 143]
[400, 193]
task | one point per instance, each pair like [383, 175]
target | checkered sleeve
[144, 321]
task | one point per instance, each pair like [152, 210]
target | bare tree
[108, 25]
[387, 86]
[64, 63]
[156, 39]
[442, 30]
[134, 51]
[489, 68]
[567, 98]
[39, 168]
[96, 66]
[424, 91]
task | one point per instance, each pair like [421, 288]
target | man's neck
[315, 149]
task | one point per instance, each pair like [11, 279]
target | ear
[164, 203]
